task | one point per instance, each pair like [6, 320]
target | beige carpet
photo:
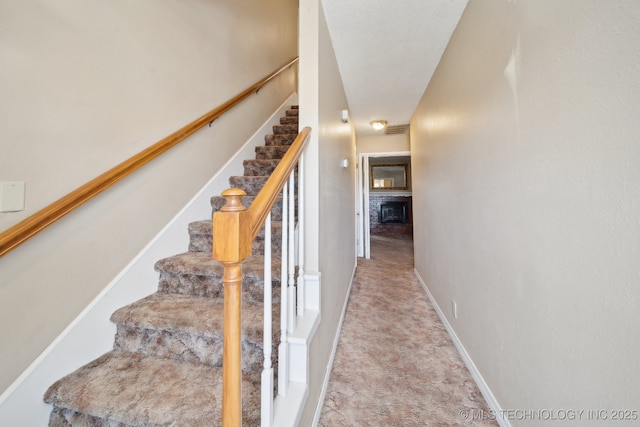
[395, 364]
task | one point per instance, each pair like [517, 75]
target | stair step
[264, 152]
[196, 274]
[292, 112]
[259, 167]
[280, 139]
[200, 238]
[131, 389]
[249, 184]
[189, 329]
[289, 120]
[285, 129]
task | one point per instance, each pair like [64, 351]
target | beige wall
[383, 143]
[322, 99]
[526, 172]
[86, 85]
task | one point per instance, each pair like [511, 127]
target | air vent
[396, 129]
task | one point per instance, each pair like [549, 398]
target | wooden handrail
[266, 198]
[235, 228]
[32, 225]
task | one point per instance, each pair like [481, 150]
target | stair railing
[32, 225]
[235, 227]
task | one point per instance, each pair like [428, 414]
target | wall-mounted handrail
[32, 225]
[235, 228]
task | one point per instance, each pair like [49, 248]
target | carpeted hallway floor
[395, 364]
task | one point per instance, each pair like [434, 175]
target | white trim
[288, 410]
[91, 333]
[312, 297]
[366, 221]
[492, 402]
[299, 341]
[288, 406]
[359, 208]
[336, 340]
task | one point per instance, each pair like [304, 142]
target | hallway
[395, 364]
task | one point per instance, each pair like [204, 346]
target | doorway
[396, 196]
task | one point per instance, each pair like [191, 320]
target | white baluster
[291, 252]
[267, 372]
[301, 287]
[283, 348]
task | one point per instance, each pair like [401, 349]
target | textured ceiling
[387, 52]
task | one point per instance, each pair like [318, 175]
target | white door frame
[362, 214]
[358, 209]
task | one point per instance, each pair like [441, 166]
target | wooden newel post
[231, 246]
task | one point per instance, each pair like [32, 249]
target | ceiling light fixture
[379, 124]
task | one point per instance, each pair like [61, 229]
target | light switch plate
[12, 196]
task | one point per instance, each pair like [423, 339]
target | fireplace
[393, 213]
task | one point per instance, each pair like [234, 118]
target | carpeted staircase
[166, 365]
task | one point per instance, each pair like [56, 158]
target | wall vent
[396, 129]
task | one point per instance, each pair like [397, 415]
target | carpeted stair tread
[190, 263]
[289, 120]
[200, 263]
[249, 184]
[195, 273]
[200, 227]
[279, 139]
[138, 390]
[205, 227]
[260, 167]
[200, 237]
[188, 328]
[292, 112]
[264, 152]
[285, 129]
[186, 313]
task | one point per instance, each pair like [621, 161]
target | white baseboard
[91, 333]
[327, 375]
[475, 373]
